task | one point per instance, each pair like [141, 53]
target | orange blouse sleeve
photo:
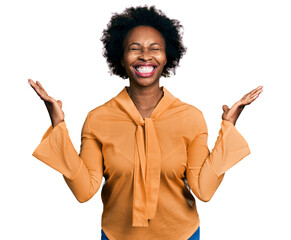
[82, 172]
[205, 170]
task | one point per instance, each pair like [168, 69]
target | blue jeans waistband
[195, 236]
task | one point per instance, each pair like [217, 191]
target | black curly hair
[119, 26]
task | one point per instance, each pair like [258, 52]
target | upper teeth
[145, 69]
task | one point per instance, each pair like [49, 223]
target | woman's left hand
[233, 113]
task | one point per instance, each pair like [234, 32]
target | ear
[122, 62]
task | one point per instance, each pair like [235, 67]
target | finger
[225, 108]
[40, 92]
[38, 83]
[32, 84]
[41, 87]
[255, 96]
[255, 90]
[260, 88]
[251, 99]
[60, 103]
[36, 86]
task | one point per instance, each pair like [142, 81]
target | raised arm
[82, 172]
[88, 181]
[205, 170]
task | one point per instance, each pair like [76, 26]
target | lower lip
[145, 75]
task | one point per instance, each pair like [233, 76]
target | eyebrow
[135, 43]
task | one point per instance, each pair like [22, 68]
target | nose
[145, 55]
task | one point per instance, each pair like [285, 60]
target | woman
[149, 145]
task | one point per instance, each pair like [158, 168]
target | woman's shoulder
[188, 108]
[104, 111]
[189, 113]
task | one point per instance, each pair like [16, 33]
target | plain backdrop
[232, 47]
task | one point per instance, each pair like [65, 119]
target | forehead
[144, 34]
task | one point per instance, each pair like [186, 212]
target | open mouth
[145, 71]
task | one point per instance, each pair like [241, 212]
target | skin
[143, 44]
[53, 106]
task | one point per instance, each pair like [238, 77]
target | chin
[145, 81]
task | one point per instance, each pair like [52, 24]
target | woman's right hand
[54, 107]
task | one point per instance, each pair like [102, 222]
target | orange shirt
[148, 165]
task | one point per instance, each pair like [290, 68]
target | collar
[147, 158]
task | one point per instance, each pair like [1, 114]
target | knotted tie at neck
[147, 158]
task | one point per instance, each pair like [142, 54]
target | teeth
[145, 69]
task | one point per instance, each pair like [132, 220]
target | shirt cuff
[57, 151]
[229, 149]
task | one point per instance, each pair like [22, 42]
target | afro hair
[121, 24]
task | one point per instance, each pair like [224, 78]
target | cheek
[165, 61]
[163, 58]
[127, 60]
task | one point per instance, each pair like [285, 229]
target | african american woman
[150, 147]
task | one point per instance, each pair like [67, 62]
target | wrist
[54, 124]
[230, 120]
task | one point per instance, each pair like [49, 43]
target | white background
[233, 47]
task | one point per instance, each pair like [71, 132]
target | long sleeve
[82, 172]
[205, 170]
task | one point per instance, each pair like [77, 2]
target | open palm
[233, 113]
[53, 106]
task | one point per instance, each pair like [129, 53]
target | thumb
[225, 108]
[60, 103]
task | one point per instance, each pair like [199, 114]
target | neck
[145, 98]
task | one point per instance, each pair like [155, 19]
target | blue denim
[195, 236]
[103, 236]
